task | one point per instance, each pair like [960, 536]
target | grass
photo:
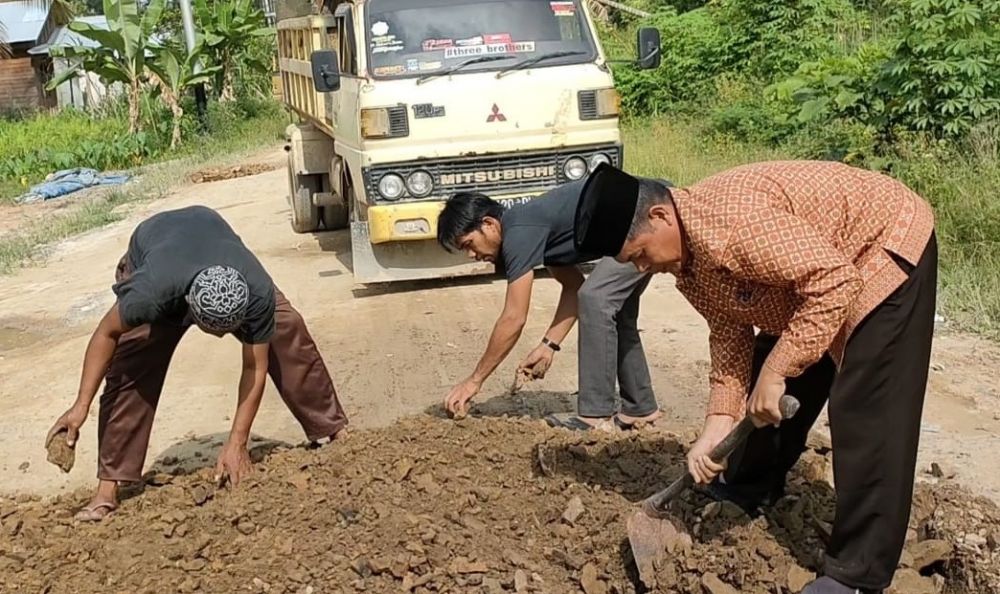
[154, 182]
[962, 189]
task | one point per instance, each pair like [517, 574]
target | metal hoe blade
[652, 532]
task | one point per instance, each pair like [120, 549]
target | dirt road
[393, 352]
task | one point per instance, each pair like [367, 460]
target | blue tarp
[68, 181]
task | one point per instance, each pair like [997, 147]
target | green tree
[228, 28]
[172, 72]
[122, 50]
[944, 74]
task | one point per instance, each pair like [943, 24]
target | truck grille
[494, 175]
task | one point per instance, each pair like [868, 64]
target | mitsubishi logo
[496, 116]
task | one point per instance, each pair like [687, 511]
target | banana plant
[172, 72]
[227, 27]
[122, 50]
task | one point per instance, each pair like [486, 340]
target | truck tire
[306, 217]
[338, 216]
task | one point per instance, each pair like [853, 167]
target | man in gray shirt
[540, 233]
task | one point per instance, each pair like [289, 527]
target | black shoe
[828, 585]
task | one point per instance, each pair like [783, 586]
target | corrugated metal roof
[23, 19]
[64, 37]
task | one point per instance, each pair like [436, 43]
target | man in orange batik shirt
[837, 267]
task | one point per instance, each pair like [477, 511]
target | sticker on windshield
[381, 28]
[485, 50]
[563, 8]
[386, 44]
[390, 70]
[432, 45]
[412, 65]
[424, 66]
[494, 38]
[477, 40]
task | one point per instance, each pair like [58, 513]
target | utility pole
[187, 18]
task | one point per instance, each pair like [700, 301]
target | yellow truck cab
[406, 102]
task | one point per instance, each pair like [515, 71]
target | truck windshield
[420, 37]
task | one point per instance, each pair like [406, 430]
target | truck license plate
[508, 202]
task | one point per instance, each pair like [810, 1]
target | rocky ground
[477, 505]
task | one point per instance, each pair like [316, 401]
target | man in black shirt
[182, 268]
[540, 233]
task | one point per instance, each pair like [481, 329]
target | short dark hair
[651, 193]
[464, 213]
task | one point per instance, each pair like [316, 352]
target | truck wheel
[338, 217]
[306, 217]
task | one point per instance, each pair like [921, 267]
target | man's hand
[537, 363]
[70, 421]
[700, 465]
[234, 463]
[764, 399]
[458, 399]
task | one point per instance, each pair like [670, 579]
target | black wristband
[555, 347]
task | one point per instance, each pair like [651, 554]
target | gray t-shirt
[166, 252]
[541, 233]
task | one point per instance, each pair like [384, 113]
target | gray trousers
[610, 347]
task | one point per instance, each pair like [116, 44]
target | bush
[765, 39]
[690, 64]
[36, 146]
[944, 75]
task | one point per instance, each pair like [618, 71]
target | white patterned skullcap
[218, 298]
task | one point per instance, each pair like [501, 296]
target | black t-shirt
[168, 250]
[541, 233]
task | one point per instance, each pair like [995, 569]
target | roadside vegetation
[908, 87]
[151, 126]
[153, 117]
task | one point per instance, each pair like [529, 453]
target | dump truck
[403, 103]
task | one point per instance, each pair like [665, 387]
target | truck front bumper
[417, 220]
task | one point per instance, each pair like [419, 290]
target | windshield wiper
[535, 60]
[457, 67]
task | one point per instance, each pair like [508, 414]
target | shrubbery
[32, 147]
[910, 87]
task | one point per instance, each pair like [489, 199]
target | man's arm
[234, 459]
[96, 361]
[567, 310]
[730, 347]
[508, 327]
[506, 331]
[251, 391]
[538, 361]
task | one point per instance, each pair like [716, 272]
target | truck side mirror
[325, 70]
[648, 50]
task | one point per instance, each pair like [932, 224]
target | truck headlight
[598, 104]
[597, 159]
[575, 168]
[385, 122]
[420, 183]
[391, 186]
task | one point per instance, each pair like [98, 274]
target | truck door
[345, 124]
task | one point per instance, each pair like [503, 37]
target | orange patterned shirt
[797, 249]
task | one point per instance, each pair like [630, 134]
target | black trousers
[876, 401]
